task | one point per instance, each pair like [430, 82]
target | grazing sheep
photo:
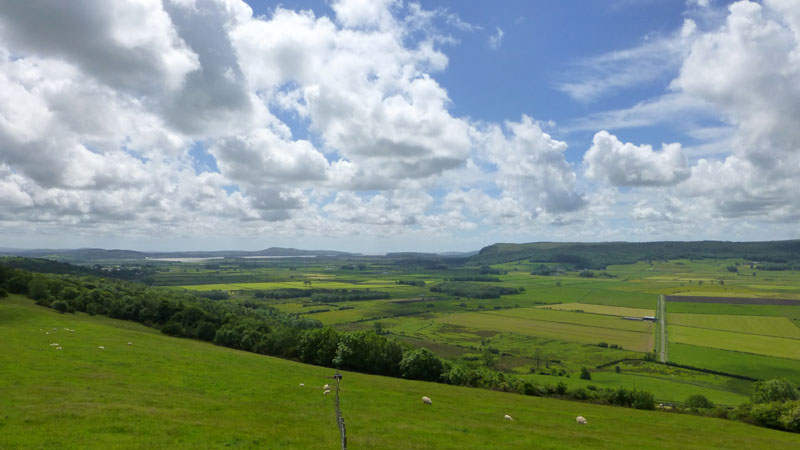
[54, 344]
[581, 420]
[507, 417]
[101, 347]
[130, 343]
[326, 387]
[427, 400]
[326, 392]
[46, 332]
[301, 384]
[58, 348]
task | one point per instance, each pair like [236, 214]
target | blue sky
[391, 125]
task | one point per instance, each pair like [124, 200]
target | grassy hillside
[163, 392]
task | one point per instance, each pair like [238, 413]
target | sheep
[54, 344]
[326, 392]
[427, 400]
[507, 417]
[130, 343]
[580, 420]
[101, 347]
[302, 384]
[58, 348]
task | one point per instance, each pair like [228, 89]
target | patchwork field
[603, 309]
[762, 325]
[741, 342]
[631, 340]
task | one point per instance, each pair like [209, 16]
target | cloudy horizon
[386, 125]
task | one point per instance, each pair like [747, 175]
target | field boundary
[733, 300]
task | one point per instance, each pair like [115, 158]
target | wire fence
[339, 419]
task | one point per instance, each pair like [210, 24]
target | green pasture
[741, 342]
[734, 362]
[763, 325]
[792, 312]
[163, 392]
[603, 309]
[631, 340]
[577, 318]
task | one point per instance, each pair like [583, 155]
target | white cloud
[655, 58]
[496, 40]
[626, 164]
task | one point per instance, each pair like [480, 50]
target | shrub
[698, 401]
[585, 374]
[643, 400]
[172, 329]
[774, 390]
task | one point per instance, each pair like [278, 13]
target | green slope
[162, 392]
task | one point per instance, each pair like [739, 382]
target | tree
[318, 346]
[774, 390]
[421, 364]
[60, 306]
[585, 374]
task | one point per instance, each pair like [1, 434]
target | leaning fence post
[339, 419]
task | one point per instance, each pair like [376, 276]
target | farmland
[507, 317]
[555, 321]
[168, 392]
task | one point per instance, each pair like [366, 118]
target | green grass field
[630, 340]
[763, 325]
[576, 318]
[727, 361]
[741, 342]
[603, 309]
[163, 392]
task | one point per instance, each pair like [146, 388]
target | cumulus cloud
[749, 71]
[626, 164]
[530, 166]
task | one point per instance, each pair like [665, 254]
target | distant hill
[598, 255]
[91, 255]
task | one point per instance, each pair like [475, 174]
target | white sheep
[581, 420]
[58, 348]
[427, 400]
[101, 347]
[326, 392]
[54, 344]
[507, 417]
[302, 384]
[130, 343]
[326, 387]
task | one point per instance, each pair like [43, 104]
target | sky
[391, 125]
